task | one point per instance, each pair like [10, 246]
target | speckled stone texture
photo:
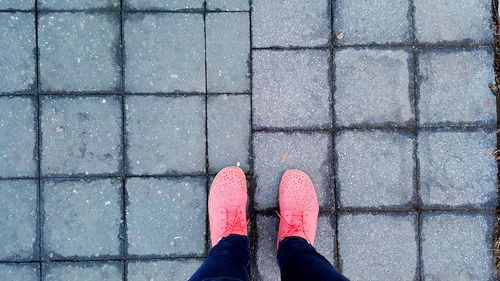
[81, 135]
[165, 135]
[17, 4]
[378, 247]
[373, 87]
[274, 153]
[266, 263]
[290, 23]
[115, 115]
[166, 216]
[92, 271]
[228, 52]
[78, 4]
[170, 5]
[457, 169]
[18, 220]
[79, 52]
[457, 247]
[291, 89]
[365, 21]
[162, 270]
[267, 229]
[441, 21]
[18, 137]
[228, 5]
[325, 238]
[21, 271]
[81, 218]
[228, 132]
[17, 52]
[454, 87]
[153, 50]
[375, 169]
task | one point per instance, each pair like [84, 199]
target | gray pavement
[115, 115]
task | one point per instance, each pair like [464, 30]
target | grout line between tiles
[333, 180]
[207, 163]
[253, 217]
[124, 166]
[39, 143]
[415, 94]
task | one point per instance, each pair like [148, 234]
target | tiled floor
[115, 115]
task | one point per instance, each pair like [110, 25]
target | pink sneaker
[227, 204]
[298, 207]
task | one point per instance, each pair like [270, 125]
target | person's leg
[299, 261]
[299, 208]
[229, 258]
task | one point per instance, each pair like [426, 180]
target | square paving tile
[228, 5]
[79, 52]
[267, 227]
[228, 52]
[228, 131]
[81, 218]
[18, 137]
[375, 168]
[81, 135]
[373, 87]
[457, 247]
[170, 5]
[457, 168]
[466, 21]
[17, 42]
[365, 21]
[17, 4]
[166, 216]
[453, 87]
[18, 222]
[16, 272]
[93, 271]
[162, 270]
[165, 135]
[274, 153]
[154, 46]
[291, 89]
[387, 242]
[290, 23]
[78, 4]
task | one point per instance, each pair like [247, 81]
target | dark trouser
[297, 259]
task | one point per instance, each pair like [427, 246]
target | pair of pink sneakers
[227, 203]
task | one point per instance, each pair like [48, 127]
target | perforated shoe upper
[298, 206]
[227, 203]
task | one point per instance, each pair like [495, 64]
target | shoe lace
[235, 223]
[295, 225]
